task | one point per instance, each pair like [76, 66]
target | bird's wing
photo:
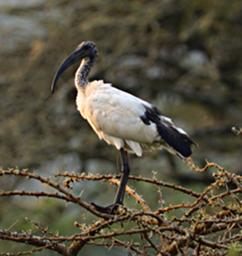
[112, 112]
[118, 114]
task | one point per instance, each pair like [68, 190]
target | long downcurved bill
[70, 60]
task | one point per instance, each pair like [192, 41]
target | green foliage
[235, 249]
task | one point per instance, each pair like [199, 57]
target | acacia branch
[50, 183]
[165, 234]
[33, 240]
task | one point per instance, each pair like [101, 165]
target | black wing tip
[180, 142]
[188, 145]
[186, 151]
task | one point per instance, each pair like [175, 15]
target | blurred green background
[183, 56]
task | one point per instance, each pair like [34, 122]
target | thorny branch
[208, 223]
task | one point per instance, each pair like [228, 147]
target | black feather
[168, 132]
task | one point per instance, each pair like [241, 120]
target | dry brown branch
[30, 252]
[132, 193]
[73, 177]
[206, 225]
[50, 183]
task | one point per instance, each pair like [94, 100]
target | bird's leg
[124, 177]
[121, 189]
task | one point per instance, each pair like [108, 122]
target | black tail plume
[170, 134]
[175, 139]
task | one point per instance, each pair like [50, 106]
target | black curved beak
[73, 58]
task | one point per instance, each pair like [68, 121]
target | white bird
[121, 119]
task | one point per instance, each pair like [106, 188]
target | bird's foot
[110, 209]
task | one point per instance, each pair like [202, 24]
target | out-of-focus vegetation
[184, 56]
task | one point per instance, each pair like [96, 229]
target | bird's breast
[80, 102]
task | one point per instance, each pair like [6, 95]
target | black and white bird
[121, 119]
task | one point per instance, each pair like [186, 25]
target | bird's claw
[110, 209]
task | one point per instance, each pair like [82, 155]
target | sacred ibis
[121, 119]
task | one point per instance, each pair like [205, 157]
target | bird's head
[83, 50]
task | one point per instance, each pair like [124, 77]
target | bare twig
[217, 208]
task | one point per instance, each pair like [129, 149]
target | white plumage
[119, 118]
[115, 116]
